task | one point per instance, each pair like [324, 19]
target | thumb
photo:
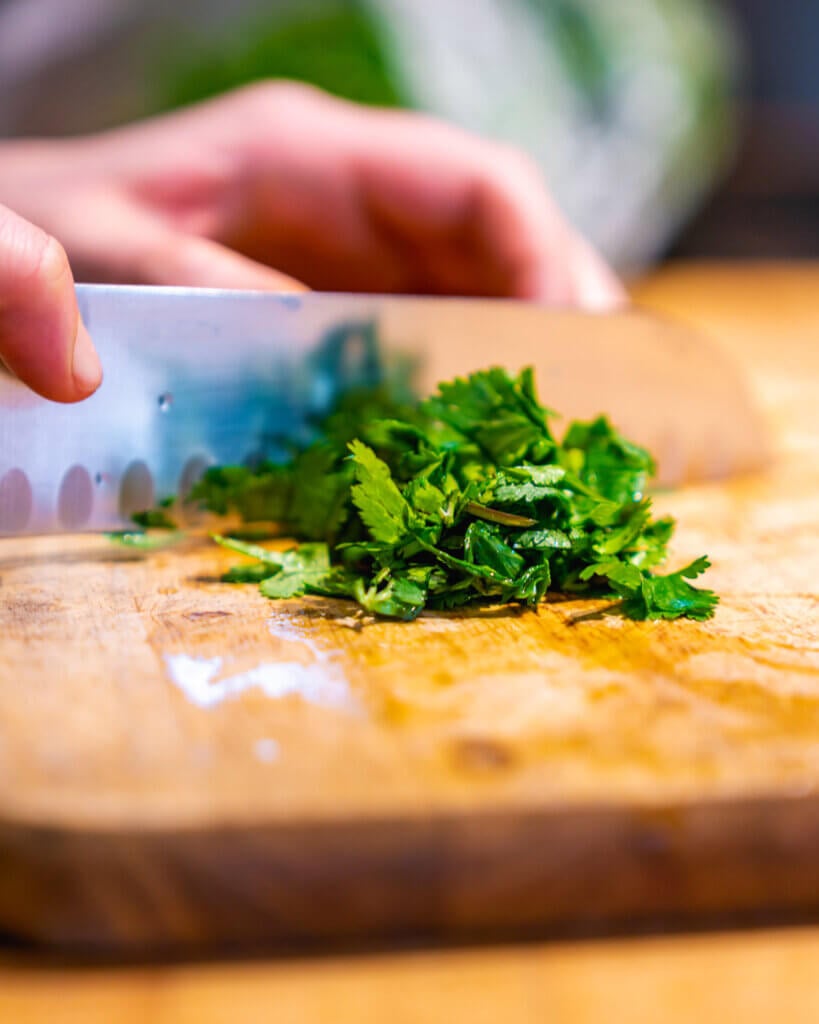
[42, 339]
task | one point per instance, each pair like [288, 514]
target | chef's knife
[195, 377]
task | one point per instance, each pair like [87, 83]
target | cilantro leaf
[300, 570]
[249, 573]
[256, 495]
[398, 598]
[303, 570]
[672, 596]
[605, 460]
[320, 492]
[483, 545]
[498, 413]
[543, 540]
[382, 507]
[154, 519]
[532, 585]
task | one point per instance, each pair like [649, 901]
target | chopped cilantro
[465, 498]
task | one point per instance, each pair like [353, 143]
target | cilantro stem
[495, 515]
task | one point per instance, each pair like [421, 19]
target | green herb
[462, 499]
[142, 541]
[154, 519]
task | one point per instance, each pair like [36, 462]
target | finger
[42, 339]
[435, 186]
[188, 260]
[149, 250]
[596, 287]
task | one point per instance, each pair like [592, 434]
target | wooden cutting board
[186, 764]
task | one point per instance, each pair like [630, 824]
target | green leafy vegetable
[141, 541]
[153, 519]
[465, 498]
[383, 509]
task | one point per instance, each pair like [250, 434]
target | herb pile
[464, 498]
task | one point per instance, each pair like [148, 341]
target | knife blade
[195, 377]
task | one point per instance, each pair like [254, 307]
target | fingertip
[86, 368]
[39, 318]
[597, 288]
[602, 293]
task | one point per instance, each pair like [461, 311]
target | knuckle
[274, 93]
[53, 266]
[518, 161]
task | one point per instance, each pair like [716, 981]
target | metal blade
[194, 377]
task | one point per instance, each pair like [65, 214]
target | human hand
[277, 184]
[42, 339]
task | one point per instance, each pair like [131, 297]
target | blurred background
[664, 127]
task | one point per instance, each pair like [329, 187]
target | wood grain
[184, 762]
[752, 978]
